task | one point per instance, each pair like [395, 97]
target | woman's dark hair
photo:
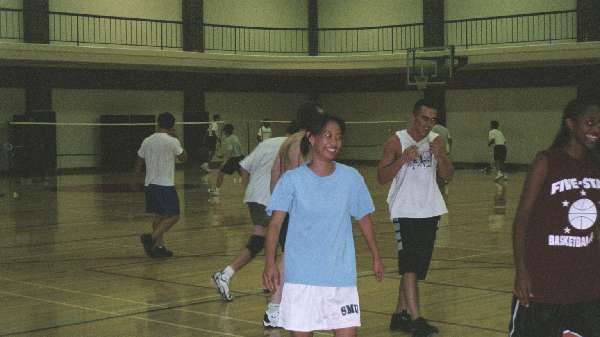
[317, 126]
[572, 111]
[166, 120]
[228, 129]
[306, 114]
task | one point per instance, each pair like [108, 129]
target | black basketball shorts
[415, 238]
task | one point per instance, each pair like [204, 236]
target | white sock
[273, 307]
[228, 272]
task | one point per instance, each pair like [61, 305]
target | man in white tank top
[412, 160]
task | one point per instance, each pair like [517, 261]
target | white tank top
[414, 192]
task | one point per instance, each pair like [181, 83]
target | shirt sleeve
[141, 152]
[248, 163]
[177, 147]
[283, 195]
[362, 204]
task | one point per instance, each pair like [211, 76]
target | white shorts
[309, 308]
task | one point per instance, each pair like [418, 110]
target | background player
[498, 143]
[158, 153]
[232, 155]
[256, 178]
[264, 132]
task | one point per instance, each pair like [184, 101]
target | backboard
[429, 66]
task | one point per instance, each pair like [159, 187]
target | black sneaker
[161, 252]
[421, 328]
[148, 243]
[400, 321]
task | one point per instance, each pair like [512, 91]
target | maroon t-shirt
[563, 254]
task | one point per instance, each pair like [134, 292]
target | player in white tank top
[414, 192]
[413, 158]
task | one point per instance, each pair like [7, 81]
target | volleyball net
[44, 148]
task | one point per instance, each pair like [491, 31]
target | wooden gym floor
[71, 263]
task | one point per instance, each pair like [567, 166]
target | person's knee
[255, 245]
[346, 332]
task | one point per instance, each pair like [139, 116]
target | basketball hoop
[421, 81]
[427, 67]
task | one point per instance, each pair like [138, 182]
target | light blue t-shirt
[319, 249]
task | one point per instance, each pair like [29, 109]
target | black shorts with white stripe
[555, 320]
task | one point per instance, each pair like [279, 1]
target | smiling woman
[555, 226]
[321, 198]
[324, 137]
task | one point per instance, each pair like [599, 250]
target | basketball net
[421, 81]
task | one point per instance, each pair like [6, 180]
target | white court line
[117, 315]
[479, 255]
[152, 306]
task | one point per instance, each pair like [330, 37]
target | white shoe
[271, 319]
[205, 167]
[222, 285]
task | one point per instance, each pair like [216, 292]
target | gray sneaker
[222, 285]
[271, 319]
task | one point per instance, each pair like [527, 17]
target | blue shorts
[161, 200]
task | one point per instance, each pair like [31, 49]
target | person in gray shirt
[232, 155]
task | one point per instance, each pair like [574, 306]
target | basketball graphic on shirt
[582, 214]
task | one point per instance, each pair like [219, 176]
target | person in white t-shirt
[158, 153]
[264, 132]
[498, 142]
[414, 158]
[212, 138]
[256, 177]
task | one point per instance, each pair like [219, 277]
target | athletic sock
[228, 272]
[273, 307]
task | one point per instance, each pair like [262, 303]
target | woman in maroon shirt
[556, 250]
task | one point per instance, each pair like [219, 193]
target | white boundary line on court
[117, 315]
[481, 254]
